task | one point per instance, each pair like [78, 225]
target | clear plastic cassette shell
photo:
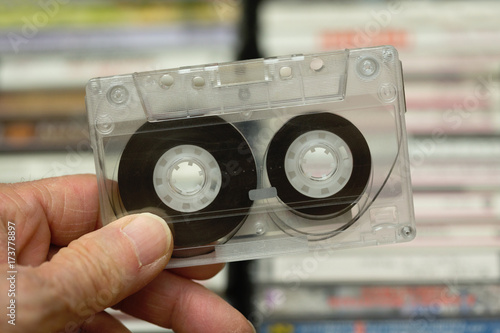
[258, 158]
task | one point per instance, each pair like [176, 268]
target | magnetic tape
[257, 158]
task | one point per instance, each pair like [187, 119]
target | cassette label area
[258, 158]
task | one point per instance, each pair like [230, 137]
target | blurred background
[447, 280]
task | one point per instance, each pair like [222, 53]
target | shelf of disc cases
[448, 278]
[50, 49]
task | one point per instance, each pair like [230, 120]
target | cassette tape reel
[258, 158]
[183, 172]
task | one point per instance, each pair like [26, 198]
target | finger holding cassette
[96, 267]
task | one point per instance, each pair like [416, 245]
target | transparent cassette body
[259, 158]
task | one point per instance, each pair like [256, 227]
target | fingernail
[151, 237]
[252, 327]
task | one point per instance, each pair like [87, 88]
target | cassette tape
[258, 158]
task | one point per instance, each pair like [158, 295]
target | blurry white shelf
[56, 71]
[402, 263]
[17, 167]
[416, 27]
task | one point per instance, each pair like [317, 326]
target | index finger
[68, 206]
[52, 210]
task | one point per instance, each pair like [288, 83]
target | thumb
[101, 268]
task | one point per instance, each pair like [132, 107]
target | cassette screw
[104, 124]
[260, 229]
[118, 95]
[367, 67]
[104, 128]
[407, 232]
[387, 92]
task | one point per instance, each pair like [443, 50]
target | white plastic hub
[187, 178]
[318, 164]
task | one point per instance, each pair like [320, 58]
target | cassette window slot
[242, 73]
[260, 84]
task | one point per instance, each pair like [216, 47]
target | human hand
[69, 269]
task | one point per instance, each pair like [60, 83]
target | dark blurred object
[240, 287]
[248, 31]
